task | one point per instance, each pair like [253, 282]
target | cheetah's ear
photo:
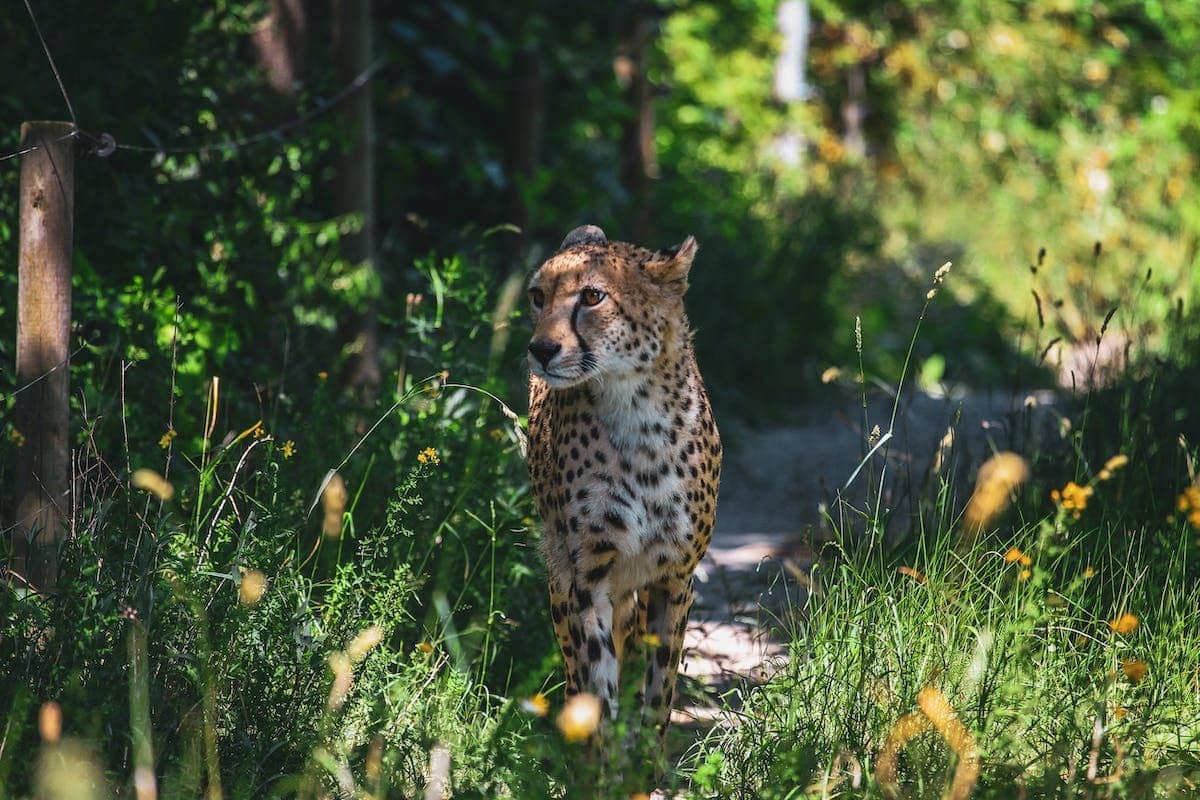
[584, 234]
[673, 264]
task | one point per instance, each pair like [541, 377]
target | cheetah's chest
[636, 485]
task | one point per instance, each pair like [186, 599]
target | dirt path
[775, 483]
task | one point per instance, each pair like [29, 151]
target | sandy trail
[776, 483]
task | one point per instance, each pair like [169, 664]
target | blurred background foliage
[915, 132]
[903, 134]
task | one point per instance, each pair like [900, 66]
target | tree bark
[354, 186]
[639, 158]
[281, 43]
[524, 132]
[43, 351]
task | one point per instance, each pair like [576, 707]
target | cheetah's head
[604, 309]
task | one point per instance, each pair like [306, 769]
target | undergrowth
[311, 598]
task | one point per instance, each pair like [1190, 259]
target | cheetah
[624, 459]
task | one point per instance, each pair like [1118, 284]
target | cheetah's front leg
[592, 635]
[560, 611]
[666, 620]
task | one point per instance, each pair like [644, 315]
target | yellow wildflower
[1134, 670]
[429, 456]
[1189, 504]
[1119, 711]
[1124, 624]
[288, 449]
[1073, 497]
[1089, 572]
[167, 438]
[537, 705]
[1025, 575]
[322, 375]
[580, 717]
[651, 640]
[1016, 555]
[16, 437]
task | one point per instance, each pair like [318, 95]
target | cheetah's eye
[537, 297]
[592, 297]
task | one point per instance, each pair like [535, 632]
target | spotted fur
[624, 458]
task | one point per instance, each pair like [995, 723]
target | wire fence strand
[53, 67]
[103, 144]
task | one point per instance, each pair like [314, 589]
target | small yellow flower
[1016, 555]
[1189, 504]
[580, 717]
[1119, 712]
[288, 449]
[425, 647]
[537, 705]
[167, 438]
[16, 437]
[651, 640]
[1089, 572]
[322, 375]
[1073, 497]
[1024, 575]
[1124, 624]
[429, 456]
[1134, 670]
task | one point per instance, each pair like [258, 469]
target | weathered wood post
[43, 475]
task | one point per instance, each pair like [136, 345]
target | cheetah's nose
[544, 350]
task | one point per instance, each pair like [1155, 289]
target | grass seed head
[333, 498]
[998, 477]
[150, 481]
[252, 588]
[343, 678]
[50, 722]
[364, 643]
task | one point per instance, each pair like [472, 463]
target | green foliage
[989, 129]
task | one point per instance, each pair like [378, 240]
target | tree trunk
[524, 131]
[639, 159]
[354, 187]
[281, 42]
[43, 351]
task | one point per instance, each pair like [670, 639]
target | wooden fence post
[43, 475]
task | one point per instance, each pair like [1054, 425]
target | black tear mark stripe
[583, 345]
